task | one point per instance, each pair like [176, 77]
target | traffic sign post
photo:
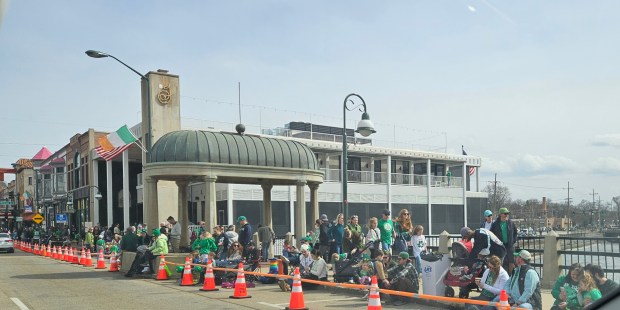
[38, 218]
[61, 218]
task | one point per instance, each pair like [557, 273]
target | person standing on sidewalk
[245, 231]
[266, 236]
[506, 230]
[386, 226]
[175, 234]
[488, 220]
[324, 240]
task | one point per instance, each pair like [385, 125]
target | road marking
[281, 306]
[19, 303]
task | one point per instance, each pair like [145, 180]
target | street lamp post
[365, 128]
[97, 54]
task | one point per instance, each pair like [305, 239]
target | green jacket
[130, 242]
[571, 289]
[160, 246]
[90, 238]
[205, 246]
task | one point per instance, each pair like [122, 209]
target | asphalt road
[34, 282]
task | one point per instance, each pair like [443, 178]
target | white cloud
[531, 165]
[606, 165]
[612, 139]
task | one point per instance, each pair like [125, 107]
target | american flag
[472, 169]
[109, 155]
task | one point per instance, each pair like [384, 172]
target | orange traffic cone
[241, 290]
[36, 249]
[88, 262]
[374, 299]
[76, 256]
[49, 251]
[100, 260]
[187, 274]
[503, 300]
[68, 255]
[113, 263]
[61, 253]
[297, 296]
[209, 284]
[82, 260]
[161, 273]
[54, 253]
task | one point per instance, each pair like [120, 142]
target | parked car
[6, 243]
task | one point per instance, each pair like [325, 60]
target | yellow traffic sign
[38, 218]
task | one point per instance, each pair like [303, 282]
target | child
[338, 257]
[418, 241]
[365, 273]
[588, 292]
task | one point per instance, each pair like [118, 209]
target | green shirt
[386, 227]
[503, 225]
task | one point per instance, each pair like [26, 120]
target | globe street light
[97, 54]
[365, 128]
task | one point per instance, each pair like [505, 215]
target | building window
[76, 170]
[29, 180]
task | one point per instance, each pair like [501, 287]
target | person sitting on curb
[492, 282]
[605, 285]
[523, 287]
[402, 277]
[159, 247]
[566, 288]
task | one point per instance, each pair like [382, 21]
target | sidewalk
[547, 299]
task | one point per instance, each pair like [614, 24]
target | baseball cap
[324, 218]
[504, 211]
[487, 213]
[386, 212]
[465, 231]
[403, 255]
[241, 218]
[524, 254]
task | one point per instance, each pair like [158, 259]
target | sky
[529, 86]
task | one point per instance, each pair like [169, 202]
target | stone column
[300, 212]
[551, 271]
[267, 215]
[183, 214]
[150, 205]
[444, 243]
[211, 207]
[314, 203]
[109, 193]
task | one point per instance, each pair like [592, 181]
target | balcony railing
[369, 177]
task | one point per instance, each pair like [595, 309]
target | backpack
[536, 298]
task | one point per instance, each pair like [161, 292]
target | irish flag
[121, 137]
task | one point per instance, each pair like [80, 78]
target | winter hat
[156, 232]
[465, 231]
[403, 255]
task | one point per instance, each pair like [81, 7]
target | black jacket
[512, 232]
[324, 233]
[245, 234]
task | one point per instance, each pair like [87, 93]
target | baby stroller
[463, 272]
[224, 277]
[346, 270]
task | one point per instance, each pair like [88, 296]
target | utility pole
[593, 205]
[568, 188]
[495, 194]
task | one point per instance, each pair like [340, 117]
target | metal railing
[369, 177]
[601, 251]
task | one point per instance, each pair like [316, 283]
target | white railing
[354, 176]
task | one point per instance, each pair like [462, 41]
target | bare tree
[499, 196]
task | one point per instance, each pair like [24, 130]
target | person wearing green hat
[402, 277]
[506, 230]
[245, 231]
